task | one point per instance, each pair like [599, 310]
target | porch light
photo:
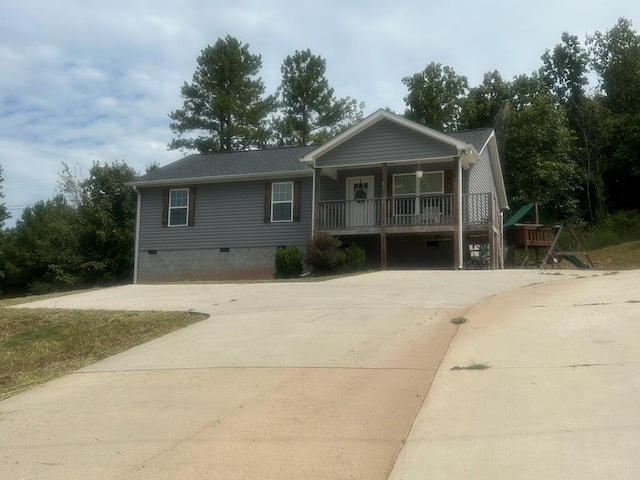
[419, 172]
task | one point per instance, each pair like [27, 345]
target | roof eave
[219, 178]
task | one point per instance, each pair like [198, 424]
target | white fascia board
[496, 166]
[221, 179]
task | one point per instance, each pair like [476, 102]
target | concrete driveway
[314, 380]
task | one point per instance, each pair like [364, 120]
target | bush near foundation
[323, 252]
[289, 262]
[352, 257]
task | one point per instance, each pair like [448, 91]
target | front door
[360, 202]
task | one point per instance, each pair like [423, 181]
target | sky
[91, 80]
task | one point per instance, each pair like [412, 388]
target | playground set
[557, 240]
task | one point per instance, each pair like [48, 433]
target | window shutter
[267, 203]
[165, 207]
[296, 201]
[192, 207]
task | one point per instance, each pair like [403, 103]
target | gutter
[219, 179]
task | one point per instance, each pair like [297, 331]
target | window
[282, 202]
[409, 183]
[179, 207]
[408, 188]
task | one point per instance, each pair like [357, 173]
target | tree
[107, 219]
[41, 251]
[615, 57]
[565, 70]
[4, 213]
[539, 166]
[310, 112]
[69, 184]
[435, 97]
[483, 104]
[224, 102]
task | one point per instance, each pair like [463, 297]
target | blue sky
[90, 80]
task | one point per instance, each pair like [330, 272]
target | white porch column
[459, 247]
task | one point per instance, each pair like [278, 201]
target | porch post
[458, 237]
[316, 201]
[383, 220]
[492, 235]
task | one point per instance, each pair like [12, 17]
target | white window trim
[186, 224]
[417, 192]
[273, 202]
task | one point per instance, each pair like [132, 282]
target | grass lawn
[37, 345]
[625, 256]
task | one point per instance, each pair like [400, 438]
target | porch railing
[407, 211]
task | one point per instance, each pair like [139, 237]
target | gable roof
[381, 114]
[477, 137]
[227, 166]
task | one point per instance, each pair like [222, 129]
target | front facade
[412, 196]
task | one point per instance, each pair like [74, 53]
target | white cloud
[84, 81]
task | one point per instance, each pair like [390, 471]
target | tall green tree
[4, 212]
[310, 112]
[42, 250]
[615, 57]
[435, 97]
[564, 70]
[107, 218]
[539, 166]
[483, 105]
[224, 105]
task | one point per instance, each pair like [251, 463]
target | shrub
[288, 261]
[619, 227]
[322, 253]
[352, 257]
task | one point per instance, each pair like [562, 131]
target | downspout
[137, 242]
[459, 201]
[313, 205]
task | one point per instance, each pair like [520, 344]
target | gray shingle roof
[476, 137]
[275, 160]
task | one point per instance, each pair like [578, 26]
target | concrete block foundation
[156, 266]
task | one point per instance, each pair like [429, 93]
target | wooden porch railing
[478, 209]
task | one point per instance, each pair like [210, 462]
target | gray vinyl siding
[385, 141]
[228, 215]
[481, 175]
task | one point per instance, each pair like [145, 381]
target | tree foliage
[539, 166]
[107, 228]
[42, 250]
[435, 96]
[310, 113]
[84, 235]
[564, 70]
[224, 104]
[483, 105]
[4, 212]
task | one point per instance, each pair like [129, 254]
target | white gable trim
[496, 167]
[381, 114]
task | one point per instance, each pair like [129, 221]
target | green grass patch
[38, 345]
[473, 366]
[459, 320]
[625, 256]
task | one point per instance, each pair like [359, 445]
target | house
[412, 196]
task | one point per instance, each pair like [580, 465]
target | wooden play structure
[557, 240]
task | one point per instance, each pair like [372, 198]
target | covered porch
[394, 179]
